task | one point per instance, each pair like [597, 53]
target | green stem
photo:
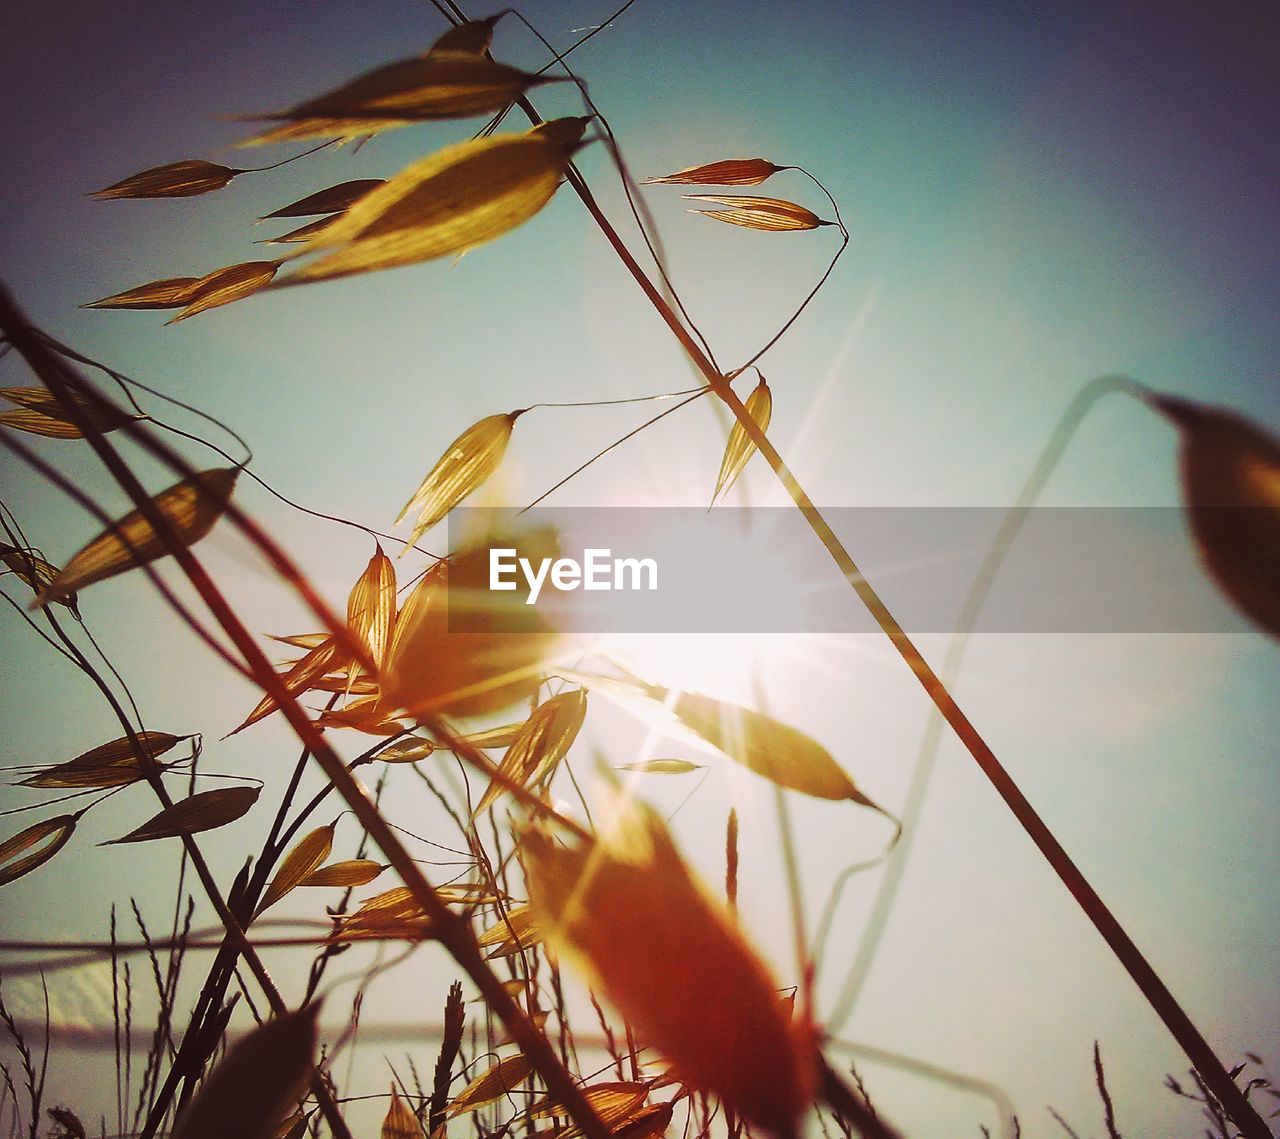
[882, 905]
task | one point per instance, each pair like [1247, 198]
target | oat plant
[684, 1029]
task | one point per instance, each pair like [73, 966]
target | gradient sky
[1036, 194]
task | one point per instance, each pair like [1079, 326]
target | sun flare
[755, 589]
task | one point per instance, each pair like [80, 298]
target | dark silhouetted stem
[451, 930]
[61, 380]
[846, 1102]
[1180, 1026]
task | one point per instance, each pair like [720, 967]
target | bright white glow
[728, 665]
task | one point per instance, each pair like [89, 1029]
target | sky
[1036, 195]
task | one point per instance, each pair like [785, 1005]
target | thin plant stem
[804, 304]
[451, 931]
[152, 773]
[616, 443]
[1108, 1108]
[55, 478]
[731, 863]
[125, 383]
[927, 757]
[791, 867]
[614, 402]
[846, 1102]
[639, 211]
[993, 1093]
[1157, 994]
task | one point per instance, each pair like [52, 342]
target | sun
[738, 607]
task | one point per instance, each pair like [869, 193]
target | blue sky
[1036, 195]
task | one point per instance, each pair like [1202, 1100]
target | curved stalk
[926, 758]
[1157, 994]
